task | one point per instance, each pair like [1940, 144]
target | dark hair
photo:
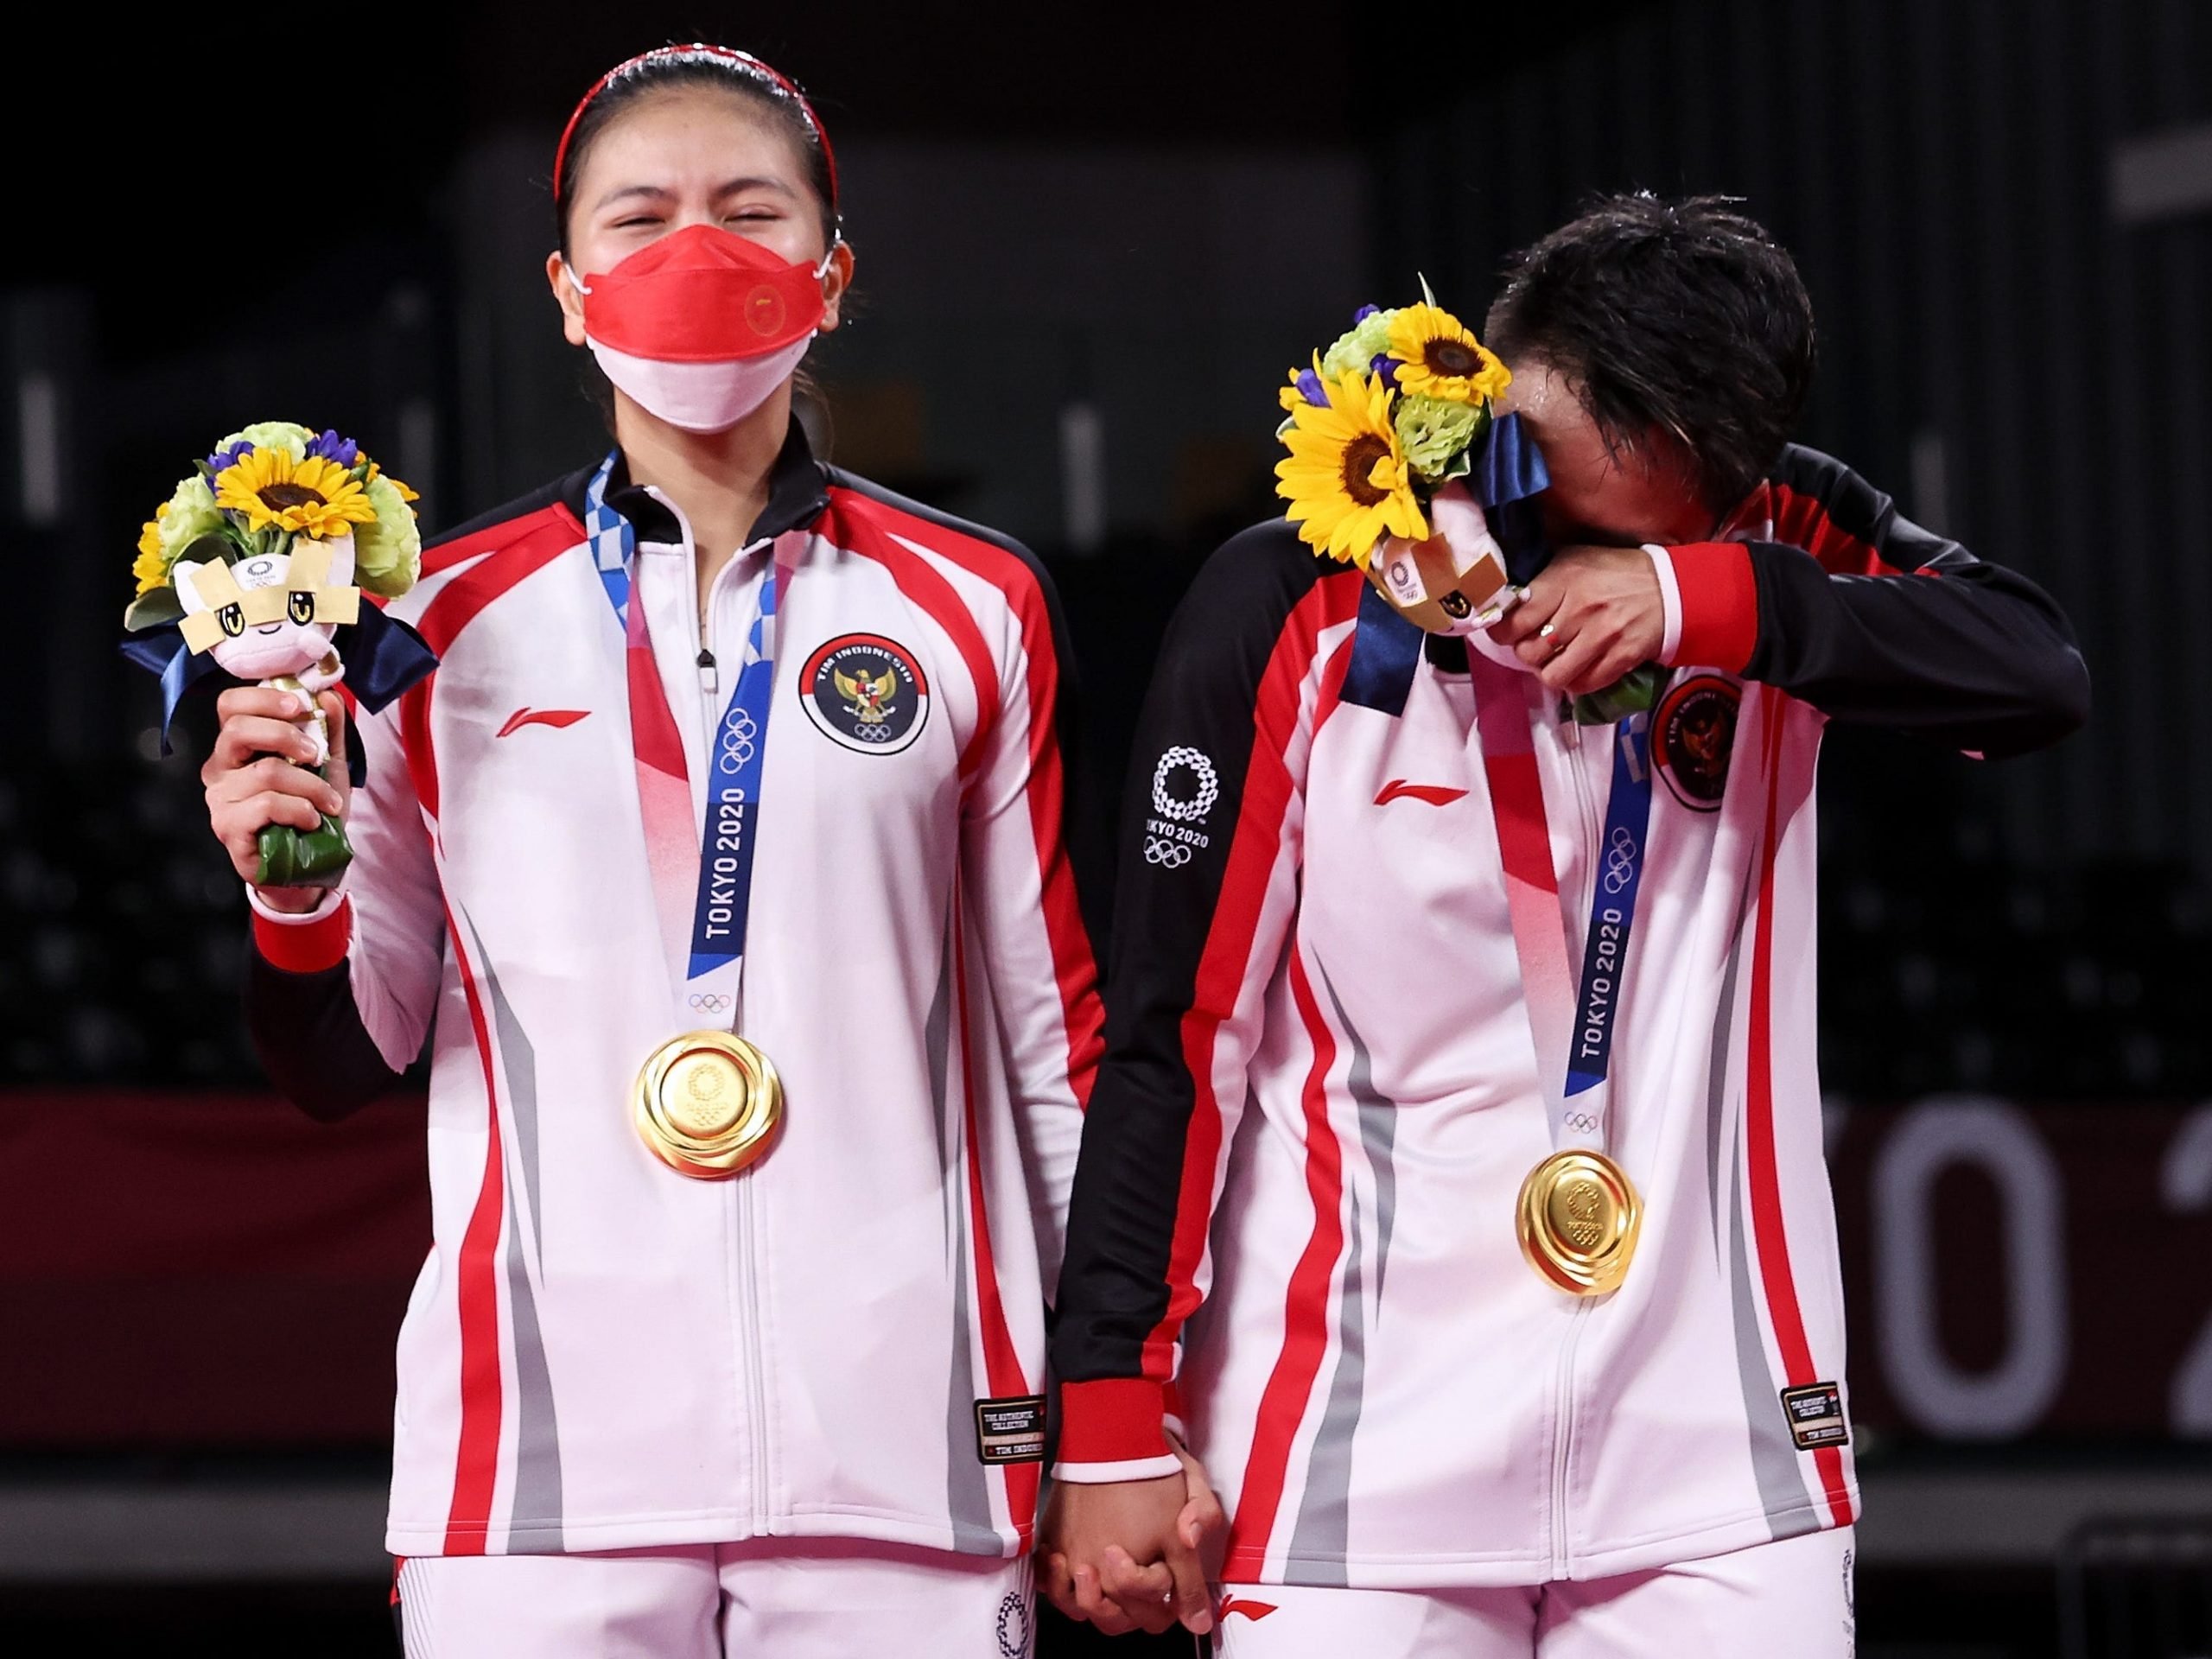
[686, 67]
[1674, 322]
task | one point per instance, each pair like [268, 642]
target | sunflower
[313, 496]
[151, 567]
[1345, 478]
[1438, 357]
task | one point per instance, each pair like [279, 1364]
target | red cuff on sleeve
[1114, 1419]
[309, 947]
[1720, 604]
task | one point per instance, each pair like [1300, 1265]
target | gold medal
[707, 1103]
[1578, 1219]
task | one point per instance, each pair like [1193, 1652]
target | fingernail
[294, 705]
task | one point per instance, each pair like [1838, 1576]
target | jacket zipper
[748, 1294]
[1577, 760]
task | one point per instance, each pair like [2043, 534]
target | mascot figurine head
[271, 614]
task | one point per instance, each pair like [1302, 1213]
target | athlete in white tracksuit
[799, 1410]
[1294, 1231]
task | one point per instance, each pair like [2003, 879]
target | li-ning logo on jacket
[1184, 786]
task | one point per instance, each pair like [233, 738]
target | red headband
[741, 62]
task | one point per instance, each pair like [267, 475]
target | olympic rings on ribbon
[1581, 1122]
[1173, 854]
[737, 741]
[1620, 859]
[709, 1002]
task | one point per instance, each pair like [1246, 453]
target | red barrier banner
[203, 1269]
[219, 1270]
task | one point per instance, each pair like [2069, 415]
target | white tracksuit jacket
[1320, 1093]
[601, 1353]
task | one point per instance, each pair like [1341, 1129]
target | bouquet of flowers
[253, 564]
[1382, 429]
[1400, 464]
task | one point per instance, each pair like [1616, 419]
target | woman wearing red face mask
[721, 862]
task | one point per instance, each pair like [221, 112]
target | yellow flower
[314, 497]
[151, 567]
[1345, 478]
[1438, 357]
[376, 471]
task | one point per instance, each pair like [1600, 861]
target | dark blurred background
[1090, 241]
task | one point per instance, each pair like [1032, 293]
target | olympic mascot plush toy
[254, 566]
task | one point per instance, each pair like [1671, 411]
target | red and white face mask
[700, 327]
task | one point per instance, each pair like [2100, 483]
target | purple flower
[1310, 388]
[1386, 367]
[1363, 314]
[230, 457]
[344, 451]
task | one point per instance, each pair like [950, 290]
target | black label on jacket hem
[1816, 1415]
[1011, 1431]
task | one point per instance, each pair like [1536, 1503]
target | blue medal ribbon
[1613, 887]
[722, 907]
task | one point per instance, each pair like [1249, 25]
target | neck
[718, 480]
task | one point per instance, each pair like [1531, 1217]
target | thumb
[335, 770]
[1193, 1601]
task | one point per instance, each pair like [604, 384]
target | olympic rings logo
[710, 1002]
[737, 747]
[1171, 855]
[1171, 806]
[1581, 1122]
[1620, 861]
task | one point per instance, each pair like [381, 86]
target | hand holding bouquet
[1381, 430]
[1400, 463]
[253, 564]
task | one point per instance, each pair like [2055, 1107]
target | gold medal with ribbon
[707, 1103]
[1578, 1218]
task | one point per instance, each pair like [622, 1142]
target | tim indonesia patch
[865, 692]
[1693, 736]
[1816, 1415]
[1011, 1430]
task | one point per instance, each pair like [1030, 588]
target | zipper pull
[706, 680]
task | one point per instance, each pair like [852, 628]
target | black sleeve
[1873, 621]
[311, 1041]
[1200, 828]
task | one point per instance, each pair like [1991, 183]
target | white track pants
[791, 1598]
[1790, 1599]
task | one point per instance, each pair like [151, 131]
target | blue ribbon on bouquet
[1507, 476]
[383, 656]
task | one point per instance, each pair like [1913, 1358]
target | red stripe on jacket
[1002, 1359]
[1289, 1390]
[476, 1462]
[924, 586]
[1223, 963]
[1768, 1226]
[1074, 967]
[1802, 520]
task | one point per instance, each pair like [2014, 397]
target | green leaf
[151, 609]
[1634, 693]
[209, 549]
